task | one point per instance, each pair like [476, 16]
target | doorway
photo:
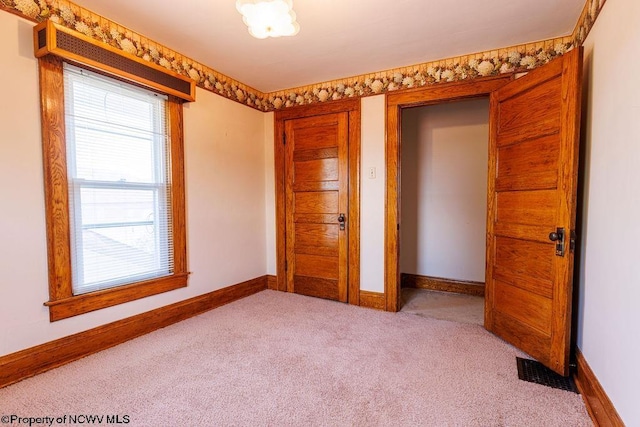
[396, 104]
[443, 202]
[531, 202]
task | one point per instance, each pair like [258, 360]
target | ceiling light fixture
[268, 18]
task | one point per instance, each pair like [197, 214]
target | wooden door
[533, 163]
[316, 189]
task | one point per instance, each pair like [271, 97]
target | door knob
[558, 237]
[341, 220]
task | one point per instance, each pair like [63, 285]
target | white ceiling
[339, 38]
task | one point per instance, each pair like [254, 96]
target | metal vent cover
[53, 39]
[42, 38]
[535, 372]
[122, 63]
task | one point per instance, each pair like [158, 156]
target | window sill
[80, 304]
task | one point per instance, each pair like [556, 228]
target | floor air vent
[536, 372]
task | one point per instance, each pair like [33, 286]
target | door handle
[341, 220]
[558, 237]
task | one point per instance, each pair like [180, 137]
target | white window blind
[118, 171]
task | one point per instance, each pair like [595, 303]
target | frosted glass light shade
[268, 18]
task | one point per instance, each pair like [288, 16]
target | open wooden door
[317, 205]
[533, 164]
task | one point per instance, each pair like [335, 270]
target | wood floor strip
[599, 406]
[32, 361]
[443, 285]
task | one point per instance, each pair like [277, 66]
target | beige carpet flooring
[277, 359]
[443, 305]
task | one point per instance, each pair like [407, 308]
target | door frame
[396, 102]
[352, 107]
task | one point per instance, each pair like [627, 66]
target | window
[120, 206]
[114, 188]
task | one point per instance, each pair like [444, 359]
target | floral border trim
[587, 18]
[72, 16]
[520, 58]
[515, 59]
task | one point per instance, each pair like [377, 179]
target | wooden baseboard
[35, 360]
[373, 300]
[272, 282]
[599, 406]
[443, 285]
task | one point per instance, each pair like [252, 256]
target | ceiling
[339, 38]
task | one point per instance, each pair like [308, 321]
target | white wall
[444, 190]
[225, 191]
[225, 181]
[372, 194]
[270, 192]
[609, 271]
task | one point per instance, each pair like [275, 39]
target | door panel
[317, 239]
[530, 162]
[531, 284]
[533, 163]
[530, 113]
[317, 287]
[318, 136]
[314, 218]
[524, 258]
[309, 201]
[325, 267]
[317, 170]
[322, 153]
[316, 187]
[527, 207]
[528, 307]
[518, 333]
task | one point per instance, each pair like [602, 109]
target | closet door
[317, 205]
[533, 164]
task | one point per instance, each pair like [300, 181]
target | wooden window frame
[62, 303]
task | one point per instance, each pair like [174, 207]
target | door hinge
[284, 138]
[572, 241]
[286, 266]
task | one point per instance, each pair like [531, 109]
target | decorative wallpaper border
[587, 18]
[513, 59]
[484, 64]
[93, 25]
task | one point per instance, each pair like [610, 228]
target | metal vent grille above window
[53, 39]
